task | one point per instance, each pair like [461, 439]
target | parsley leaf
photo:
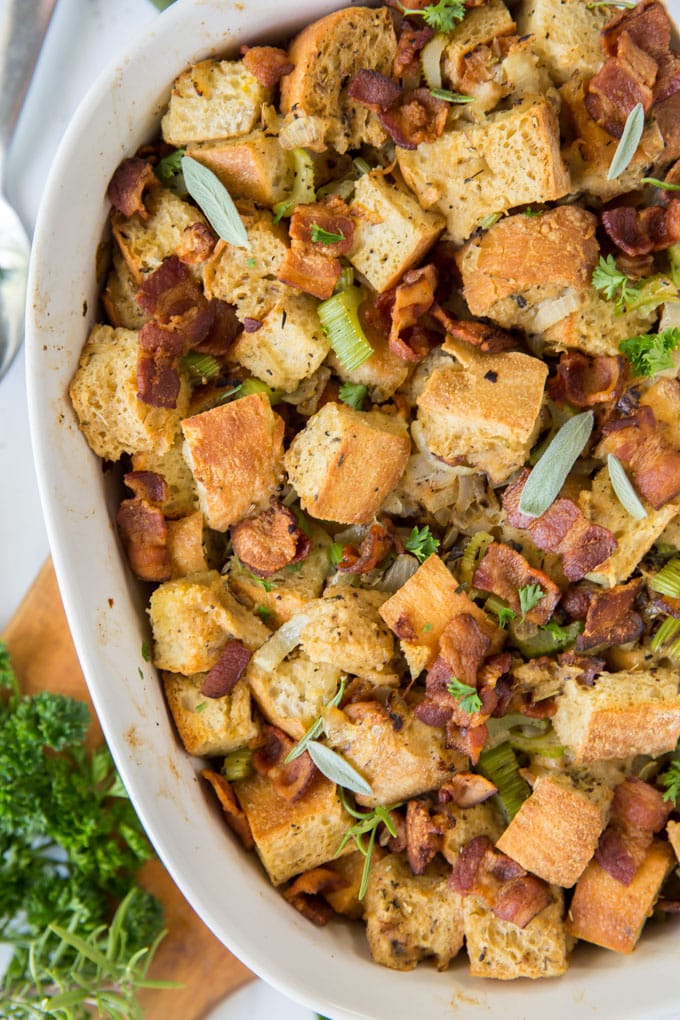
[169, 166]
[650, 353]
[353, 394]
[422, 543]
[443, 16]
[320, 236]
[466, 696]
[529, 597]
[670, 780]
[558, 632]
[505, 616]
[610, 281]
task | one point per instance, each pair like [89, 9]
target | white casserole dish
[330, 969]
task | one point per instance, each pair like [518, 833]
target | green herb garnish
[466, 696]
[608, 278]
[169, 166]
[367, 825]
[337, 769]
[550, 473]
[451, 97]
[264, 612]
[442, 16]
[421, 543]
[320, 236]
[529, 597]
[353, 394]
[623, 488]
[650, 353]
[660, 184]
[215, 202]
[670, 780]
[629, 141]
[316, 729]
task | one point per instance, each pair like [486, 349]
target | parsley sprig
[319, 235]
[529, 597]
[650, 353]
[368, 823]
[442, 16]
[421, 543]
[353, 394]
[670, 780]
[610, 281]
[466, 695]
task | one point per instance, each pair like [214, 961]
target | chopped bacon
[610, 618]
[196, 244]
[144, 534]
[251, 325]
[413, 297]
[331, 216]
[415, 118]
[637, 812]
[226, 672]
[268, 64]
[128, 184]
[466, 789]
[470, 857]
[412, 39]
[158, 381]
[643, 450]
[169, 291]
[647, 25]
[469, 740]
[642, 231]
[236, 818]
[563, 529]
[504, 571]
[582, 381]
[223, 331]
[589, 665]
[489, 339]
[506, 888]
[373, 90]
[306, 892]
[310, 271]
[423, 837]
[374, 547]
[147, 485]
[291, 781]
[462, 646]
[271, 541]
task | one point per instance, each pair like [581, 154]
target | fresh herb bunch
[466, 695]
[70, 849]
[421, 543]
[650, 353]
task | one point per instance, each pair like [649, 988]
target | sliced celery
[339, 317]
[201, 367]
[533, 641]
[667, 631]
[238, 764]
[667, 580]
[303, 186]
[499, 765]
[250, 386]
[473, 553]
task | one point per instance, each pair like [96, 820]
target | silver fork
[23, 24]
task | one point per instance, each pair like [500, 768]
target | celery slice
[499, 765]
[250, 386]
[201, 367]
[238, 764]
[303, 186]
[340, 322]
[667, 631]
[667, 580]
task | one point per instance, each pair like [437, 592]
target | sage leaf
[215, 202]
[550, 473]
[629, 141]
[622, 486]
[337, 769]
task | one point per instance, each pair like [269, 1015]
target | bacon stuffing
[423, 837]
[488, 338]
[610, 618]
[290, 781]
[128, 184]
[373, 90]
[373, 549]
[196, 244]
[638, 811]
[147, 485]
[506, 888]
[412, 39]
[235, 817]
[413, 297]
[583, 382]
[504, 571]
[306, 892]
[270, 541]
[313, 266]
[144, 534]
[410, 116]
[226, 672]
[563, 529]
[466, 789]
[642, 231]
[642, 448]
[268, 64]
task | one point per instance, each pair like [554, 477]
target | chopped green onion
[499, 765]
[667, 580]
[339, 317]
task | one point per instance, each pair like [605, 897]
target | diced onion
[398, 573]
[281, 643]
[550, 312]
[431, 61]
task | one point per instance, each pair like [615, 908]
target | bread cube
[185, 545]
[398, 755]
[213, 99]
[480, 26]
[466, 823]
[516, 270]
[327, 54]
[253, 167]
[595, 327]
[118, 296]
[209, 727]
[479, 169]
[288, 347]
[383, 373]
[103, 392]
[145, 244]
[344, 463]
[234, 452]
[292, 837]
[566, 33]
[412, 917]
[293, 695]
[555, 832]
[246, 277]
[499, 949]
[622, 714]
[611, 914]
[391, 232]
[673, 833]
[172, 467]
[634, 538]
[345, 630]
[663, 396]
[486, 413]
[192, 619]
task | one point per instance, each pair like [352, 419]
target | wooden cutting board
[44, 658]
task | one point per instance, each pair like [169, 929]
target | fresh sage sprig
[316, 729]
[629, 141]
[550, 473]
[215, 202]
[337, 769]
[622, 486]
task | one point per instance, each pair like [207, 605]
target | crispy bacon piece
[169, 291]
[268, 64]
[463, 646]
[583, 382]
[144, 534]
[310, 271]
[506, 888]
[158, 381]
[416, 117]
[373, 549]
[226, 672]
[290, 781]
[223, 331]
[563, 529]
[637, 812]
[590, 666]
[488, 338]
[412, 39]
[147, 485]
[332, 216]
[642, 448]
[466, 789]
[128, 184]
[423, 837]
[610, 618]
[642, 231]
[196, 244]
[504, 571]
[413, 297]
[306, 893]
[235, 817]
[270, 541]
[647, 25]
[373, 90]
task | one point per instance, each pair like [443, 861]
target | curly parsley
[650, 353]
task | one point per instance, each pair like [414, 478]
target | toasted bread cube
[293, 695]
[288, 347]
[663, 396]
[555, 832]
[327, 54]
[479, 169]
[466, 823]
[499, 949]
[412, 917]
[286, 592]
[246, 277]
[209, 727]
[634, 538]
[398, 755]
[145, 244]
[234, 452]
[292, 837]
[622, 714]
[595, 327]
[673, 833]
[192, 619]
[391, 232]
[345, 900]
[485, 413]
[517, 268]
[253, 167]
[118, 297]
[185, 545]
[611, 914]
[345, 630]
[566, 33]
[171, 466]
[103, 392]
[344, 463]
[213, 99]
[480, 26]
[589, 149]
